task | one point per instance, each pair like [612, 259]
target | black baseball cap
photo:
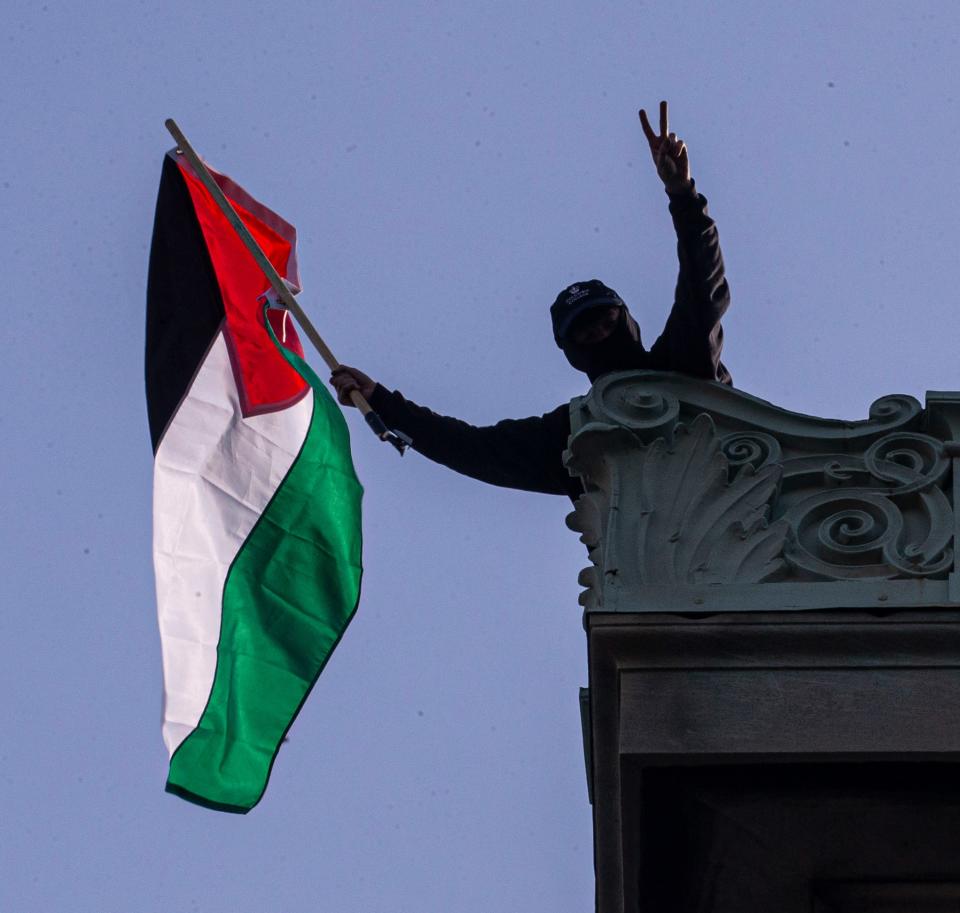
[578, 299]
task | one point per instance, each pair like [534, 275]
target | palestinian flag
[256, 502]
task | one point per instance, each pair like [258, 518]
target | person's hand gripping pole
[284, 295]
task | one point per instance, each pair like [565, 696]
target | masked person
[597, 334]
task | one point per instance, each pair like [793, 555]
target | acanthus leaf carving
[697, 526]
[692, 484]
[691, 522]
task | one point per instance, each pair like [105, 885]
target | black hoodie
[526, 453]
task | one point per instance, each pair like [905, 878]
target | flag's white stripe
[215, 472]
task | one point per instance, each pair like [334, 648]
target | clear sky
[450, 167]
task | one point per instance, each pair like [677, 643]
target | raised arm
[692, 340]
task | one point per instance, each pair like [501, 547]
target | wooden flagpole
[284, 294]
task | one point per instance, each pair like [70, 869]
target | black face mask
[622, 350]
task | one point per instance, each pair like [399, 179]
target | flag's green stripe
[289, 595]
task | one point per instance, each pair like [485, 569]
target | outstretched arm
[692, 340]
[515, 453]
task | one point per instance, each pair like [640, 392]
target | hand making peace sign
[669, 153]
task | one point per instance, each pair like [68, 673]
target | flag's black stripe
[184, 307]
